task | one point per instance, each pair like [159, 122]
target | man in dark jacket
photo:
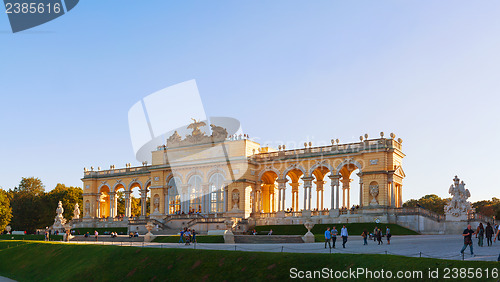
[467, 234]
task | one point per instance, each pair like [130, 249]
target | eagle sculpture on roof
[196, 127]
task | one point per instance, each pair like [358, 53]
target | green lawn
[119, 230]
[354, 229]
[39, 261]
[30, 237]
[199, 239]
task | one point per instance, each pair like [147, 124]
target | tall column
[391, 185]
[337, 195]
[128, 208]
[165, 202]
[305, 198]
[346, 182]
[319, 194]
[334, 184]
[258, 196]
[98, 205]
[143, 202]
[295, 195]
[360, 189]
[281, 190]
[112, 204]
[308, 186]
[184, 198]
[205, 204]
[400, 193]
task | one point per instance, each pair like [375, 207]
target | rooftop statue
[197, 136]
[196, 127]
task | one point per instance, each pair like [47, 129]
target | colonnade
[264, 195]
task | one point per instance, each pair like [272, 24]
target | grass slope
[119, 230]
[60, 262]
[354, 229]
[30, 237]
[199, 239]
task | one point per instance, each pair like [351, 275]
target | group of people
[489, 232]
[331, 236]
[187, 236]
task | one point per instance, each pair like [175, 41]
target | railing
[419, 211]
[205, 220]
[293, 214]
[482, 217]
[266, 215]
[115, 171]
[344, 148]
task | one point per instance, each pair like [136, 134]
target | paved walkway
[433, 246]
[5, 279]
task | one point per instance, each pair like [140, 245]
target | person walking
[328, 237]
[497, 236]
[96, 234]
[379, 237]
[194, 236]
[489, 234]
[334, 234]
[365, 236]
[480, 234]
[388, 235]
[181, 239]
[344, 234]
[467, 234]
[375, 234]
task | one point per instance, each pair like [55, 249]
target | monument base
[228, 237]
[308, 238]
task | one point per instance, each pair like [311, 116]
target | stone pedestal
[334, 213]
[149, 236]
[309, 237]
[306, 213]
[228, 234]
[454, 218]
[235, 213]
[228, 237]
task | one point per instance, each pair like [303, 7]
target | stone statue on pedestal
[76, 212]
[458, 207]
[59, 220]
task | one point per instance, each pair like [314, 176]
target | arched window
[195, 193]
[174, 199]
[216, 193]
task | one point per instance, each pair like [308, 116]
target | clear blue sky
[290, 71]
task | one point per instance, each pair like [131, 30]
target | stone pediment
[399, 171]
[197, 136]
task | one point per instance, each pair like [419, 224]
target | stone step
[266, 239]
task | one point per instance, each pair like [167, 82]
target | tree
[135, 206]
[26, 210]
[5, 210]
[31, 185]
[488, 208]
[430, 202]
[69, 196]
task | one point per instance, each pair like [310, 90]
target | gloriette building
[207, 178]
